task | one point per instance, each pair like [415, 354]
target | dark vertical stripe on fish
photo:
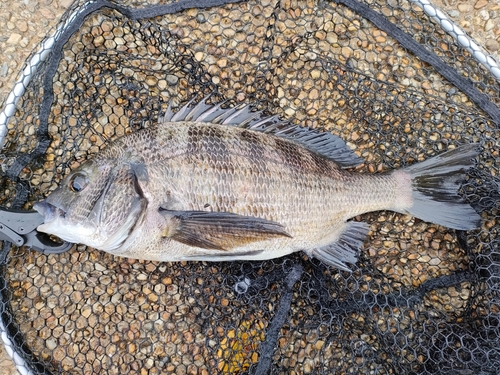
[292, 154]
[214, 145]
[154, 143]
[322, 165]
[217, 158]
[193, 139]
[252, 145]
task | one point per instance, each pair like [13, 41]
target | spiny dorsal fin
[244, 116]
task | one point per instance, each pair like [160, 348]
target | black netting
[423, 299]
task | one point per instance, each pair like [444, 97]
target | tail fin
[435, 184]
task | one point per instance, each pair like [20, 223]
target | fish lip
[49, 211]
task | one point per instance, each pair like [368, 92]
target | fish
[209, 183]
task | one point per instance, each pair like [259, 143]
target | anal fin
[217, 230]
[228, 255]
[346, 248]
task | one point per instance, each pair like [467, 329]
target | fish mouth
[49, 211]
[56, 224]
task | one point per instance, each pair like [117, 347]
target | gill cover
[97, 205]
[122, 205]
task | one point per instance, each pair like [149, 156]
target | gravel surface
[25, 23]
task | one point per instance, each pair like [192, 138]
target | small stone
[14, 38]
[464, 8]
[172, 80]
[162, 84]
[47, 13]
[99, 267]
[434, 261]
[314, 94]
[22, 26]
[200, 56]
[347, 52]
[315, 74]
[484, 14]
[51, 343]
[464, 24]
[424, 259]
[490, 24]
[311, 55]
[492, 45]
[480, 4]
[4, 69]
[201, 18]
[107, 26]
[426, 85]
[290, 112]
[222, 63]
[319, 344]
[86, 311]
[65, 3]
[151, 80]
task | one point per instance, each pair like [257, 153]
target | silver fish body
[204, 189]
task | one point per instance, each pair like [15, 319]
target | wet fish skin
[191, 190]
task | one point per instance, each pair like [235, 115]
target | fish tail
[435, 185]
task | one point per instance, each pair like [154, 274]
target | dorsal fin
[244, 116]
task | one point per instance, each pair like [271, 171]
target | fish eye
[78, 182]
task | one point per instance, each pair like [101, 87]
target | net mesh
[423, 299]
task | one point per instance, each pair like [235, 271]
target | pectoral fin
[217, 230]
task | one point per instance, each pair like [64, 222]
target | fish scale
[243, 186]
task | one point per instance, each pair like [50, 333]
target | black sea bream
[228, 184]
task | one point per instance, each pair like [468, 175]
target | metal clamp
[19, 228]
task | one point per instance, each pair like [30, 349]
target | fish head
[97, 205]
